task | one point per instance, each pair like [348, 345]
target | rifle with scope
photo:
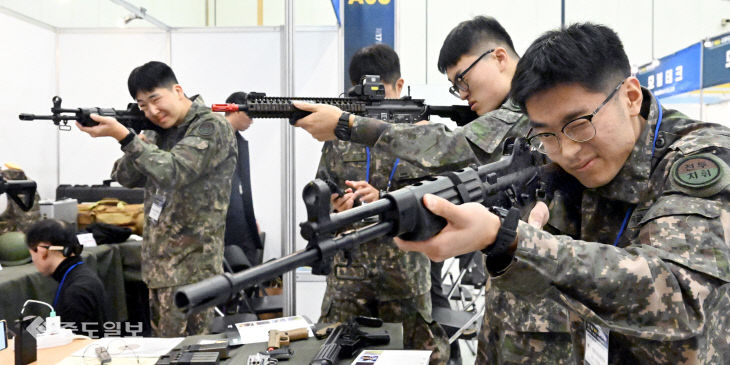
[21, 192]
[132, 117]
[522, 177]
[365, 99]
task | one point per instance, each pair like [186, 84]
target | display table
[115, 264]
[304, 350]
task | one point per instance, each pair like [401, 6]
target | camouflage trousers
[168, 321]
[499, 346]
[420, 332]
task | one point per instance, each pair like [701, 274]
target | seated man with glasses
[479, 58]
[640, 256]
[80, 296]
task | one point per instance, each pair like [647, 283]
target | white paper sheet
[392, 357]
[131, 346]
[258, 331]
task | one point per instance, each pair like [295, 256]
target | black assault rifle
[365, 99]
[21, 192]
[131, 117]
[518, 180]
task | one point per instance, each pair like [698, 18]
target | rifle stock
[22, 192]
[519, 179]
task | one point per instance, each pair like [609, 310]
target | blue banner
[716, 61]
[367, 22]
[675, 74]
[336, 8]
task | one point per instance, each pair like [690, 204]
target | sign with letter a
[367, 22]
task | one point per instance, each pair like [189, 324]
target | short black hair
[150, 76]
[53, 231]
[587, 54]
[238, 97]
[472, 37]
[376, 59]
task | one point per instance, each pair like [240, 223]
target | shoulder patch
[206, 128]
[704, 174]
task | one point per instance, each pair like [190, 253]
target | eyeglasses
[459, 82]
[579, 130]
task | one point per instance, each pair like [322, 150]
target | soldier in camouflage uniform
[186, 172]
[381, 280]
[642, 259]
[482, 77]
[14, 219]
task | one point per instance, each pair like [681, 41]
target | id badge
[596, 345]
[158, 203]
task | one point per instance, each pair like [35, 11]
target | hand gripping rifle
[519, 179]
[21, 192]
[132, 117]
[366, 99]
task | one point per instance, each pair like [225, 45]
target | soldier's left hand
[107, 127]
[365, 191]
[343, 203]
[470, 227]
[322, 122]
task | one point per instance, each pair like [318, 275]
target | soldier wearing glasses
[480, 60]
[641, 255]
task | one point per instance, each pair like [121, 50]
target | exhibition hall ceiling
[166, 14]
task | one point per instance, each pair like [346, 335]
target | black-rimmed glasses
[459, 83]
[580, 130]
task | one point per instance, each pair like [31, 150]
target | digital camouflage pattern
[167, 321]
[663, 291]
[516, 329]
[382, 280]
[190, 166]
[435, 148]
[14, 219]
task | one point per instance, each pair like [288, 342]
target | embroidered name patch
[697, 171]
[206, 129]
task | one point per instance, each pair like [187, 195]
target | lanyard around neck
[367, 169]
[58, 291]
[653, 147]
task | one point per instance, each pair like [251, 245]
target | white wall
[92, 72]
[28, 83]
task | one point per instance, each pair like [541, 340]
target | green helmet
[13, 251]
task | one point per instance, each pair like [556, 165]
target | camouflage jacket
[13, 218]
[190, 167]
[662, 291]
[437, 149]
[379, 269]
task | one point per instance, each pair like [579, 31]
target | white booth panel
[28, 84]
[215, 64]
[93, 71]
[316, 74]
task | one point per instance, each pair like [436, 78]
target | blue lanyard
[58, 291]
[653, 147]
[392, 172]
[367, 169]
